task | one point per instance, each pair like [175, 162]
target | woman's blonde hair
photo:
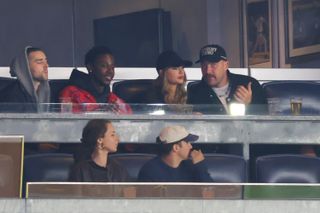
[180, 97]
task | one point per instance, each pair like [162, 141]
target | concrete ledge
[12, 205]
[169, 206]
[155, 206]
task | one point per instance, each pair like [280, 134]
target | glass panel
[278, 191]
[174, 190]
[156, 109]
[133, 190]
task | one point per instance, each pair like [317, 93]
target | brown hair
[33, 49]
[93, 130]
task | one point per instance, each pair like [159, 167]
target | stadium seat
[191, 83]
[132, 162]
[56, 87]
[47, 167]
[287, 168]
[227, 168]
[285, 90]
[132, 91]
[4, 82]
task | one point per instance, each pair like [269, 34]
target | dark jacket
[14, 98]
[156, 170]
[82, 81]
[202, 94]
[85, 97]
[20, 96]
[89, 171]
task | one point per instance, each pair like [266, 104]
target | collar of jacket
[82, 80]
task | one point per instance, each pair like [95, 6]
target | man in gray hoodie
[31, 89]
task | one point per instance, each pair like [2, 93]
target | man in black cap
[219, 87]
[177, 162]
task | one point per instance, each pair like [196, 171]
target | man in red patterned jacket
[86, 91]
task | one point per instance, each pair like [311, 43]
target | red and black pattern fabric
[85, 98]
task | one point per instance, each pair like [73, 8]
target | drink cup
[296, 105]
[274, 106]
[65, 105]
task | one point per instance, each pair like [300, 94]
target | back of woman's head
[93, 130]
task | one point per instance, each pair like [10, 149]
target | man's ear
[226, 65]
[175, 147]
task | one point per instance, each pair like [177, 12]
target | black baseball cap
[170, 58]
[212, 53]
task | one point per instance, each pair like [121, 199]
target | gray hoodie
[20, 68]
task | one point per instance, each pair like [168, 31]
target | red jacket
[83, 101]
[80, 93]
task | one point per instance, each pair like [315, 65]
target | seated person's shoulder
[8, 85]
[151, 165]
[69, 89]
[76, 94]
[187, 163]
[152, 162]
[10, 92]
[119, 170]
[76, 78]
[116, 164]
[195, 84]
[83, 164]
[77, 171]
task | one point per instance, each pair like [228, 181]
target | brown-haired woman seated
[99, 138]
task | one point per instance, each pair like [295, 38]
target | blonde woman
[169, 87]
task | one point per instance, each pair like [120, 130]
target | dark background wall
[188, 19]
[64, 28]
[43, 23]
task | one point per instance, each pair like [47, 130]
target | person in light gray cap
[176, 162]
[219, 87]
[31, 88]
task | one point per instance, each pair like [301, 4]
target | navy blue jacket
[156, 170]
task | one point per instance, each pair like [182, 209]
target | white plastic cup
[65, 105]
[274, 106]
